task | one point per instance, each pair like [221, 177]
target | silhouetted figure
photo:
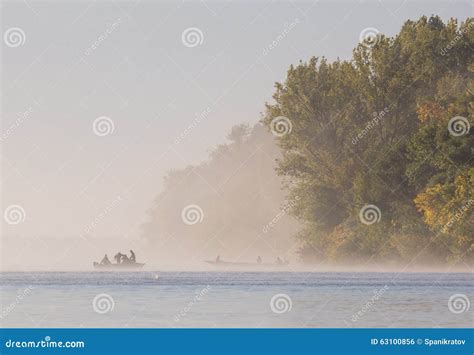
[105, 260]
[259, 259]
[118, 257]
[218, 259]
[125, 259]
[279, 261]
[132, 256]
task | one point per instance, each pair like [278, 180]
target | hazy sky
[127, 61]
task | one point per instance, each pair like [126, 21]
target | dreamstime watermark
[457, 216]
[458, 126]
[46, 343]
[281, 126]
[197, 120]
[199, 295]
[14, 37]
[378, 117]
[192, 37]
[103, 126]
[369, 37]
[192, 214]
[288, 27]
[281, 303]
[14, 214]
[458, 303]
[287, 206]
[111, 206]
[98, 42]
[18, 299]
[376, 296]
[22, 118]
[370, 214]
[456, 39]
[103, 303]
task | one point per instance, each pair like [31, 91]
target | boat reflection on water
[129, 266]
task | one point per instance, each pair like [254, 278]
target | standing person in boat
[133, 259]
[118, 257]
[218, 259]
[105, 260]
[259, 260]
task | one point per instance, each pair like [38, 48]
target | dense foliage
[374, 130]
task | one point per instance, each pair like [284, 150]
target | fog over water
[186, 171]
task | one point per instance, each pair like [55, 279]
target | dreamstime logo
[14, 214]
[192, 214]
[458, 126]
[281, 36]
[456, 39]
[198, 119]
[369, 37]
[284, 211]
[22, 118]
[370, 214]
[377, 295]
[14, 37]
[46, 343]
[105, 212]
[281, 126]
[199, 295]
[5, 311]
[458, 215]
[459, 303]
[192, 37]
[103, 303]
[108, 31]
[378, 117]
[281, 303]
[103, 126]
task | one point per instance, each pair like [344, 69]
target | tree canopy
[375, 154]
[388, 129]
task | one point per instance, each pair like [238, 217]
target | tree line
[379, 147]
[372, 156]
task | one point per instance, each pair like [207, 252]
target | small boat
[122, 266]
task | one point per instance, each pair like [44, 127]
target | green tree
[359, 137]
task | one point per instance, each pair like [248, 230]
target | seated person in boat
[125, 259]
[105, 260]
